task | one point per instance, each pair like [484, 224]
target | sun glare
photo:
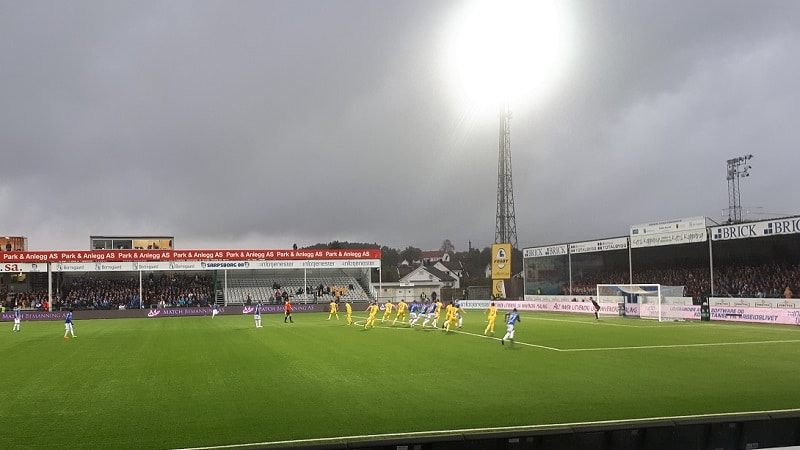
[506, 50]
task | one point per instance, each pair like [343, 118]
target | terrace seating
[261, 289]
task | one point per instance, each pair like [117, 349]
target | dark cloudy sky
[258, 124]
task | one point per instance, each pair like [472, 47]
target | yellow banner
[499, 289]
[501, 261]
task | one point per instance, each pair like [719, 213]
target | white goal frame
[643, 292]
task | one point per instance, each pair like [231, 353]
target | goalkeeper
[596, 308]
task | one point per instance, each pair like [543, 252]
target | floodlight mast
[737, 168]
[506, 222]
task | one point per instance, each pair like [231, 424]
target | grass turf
[197, 381]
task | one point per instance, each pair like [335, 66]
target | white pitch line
[655, 324]
[709, 344]
[514, 341]
[520, 428]
[476, 335]
[641, 347]
[608, 324]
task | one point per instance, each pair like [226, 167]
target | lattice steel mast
[506, 222]
[737, 168]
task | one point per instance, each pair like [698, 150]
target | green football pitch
[200, 382]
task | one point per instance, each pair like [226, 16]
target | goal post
[651, 300]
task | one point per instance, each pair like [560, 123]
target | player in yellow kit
[387, 313]
[448, 312]
[491, 317]
[437, 314]
[349, 310]
[373, 310]
[401, 311]
[455, 315]
[334, 310]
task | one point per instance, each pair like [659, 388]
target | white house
[432, 257]
[453, 268]
[420, 280]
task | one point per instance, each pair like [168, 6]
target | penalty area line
[520, 428]
[516, 342]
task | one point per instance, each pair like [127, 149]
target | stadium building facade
[232, 277]
[752, 264]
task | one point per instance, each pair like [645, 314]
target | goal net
[647, 301]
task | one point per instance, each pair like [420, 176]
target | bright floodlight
[507, 50]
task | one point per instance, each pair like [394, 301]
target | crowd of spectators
[166, 290]
[93, 293]
[175, 290]
[771, 280]
[765, 281]
[4, 297]
[97, 293]
[29, 300]
[103, 292]
[746, 281]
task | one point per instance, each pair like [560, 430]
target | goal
[647, 301]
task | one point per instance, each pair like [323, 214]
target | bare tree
[448, 246]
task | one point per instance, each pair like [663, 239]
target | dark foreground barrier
[731, 432]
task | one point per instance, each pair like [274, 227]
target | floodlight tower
[506, 222]
[737, 168]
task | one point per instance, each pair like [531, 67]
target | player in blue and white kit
[458, 312]
[425, 308]
[423, 311]
[68, 325]
[17, 318]
[257, 315]
[431, 314]
[214, 310]
[511, 320]
[413, 311]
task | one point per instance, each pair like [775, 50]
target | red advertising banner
[186, 255]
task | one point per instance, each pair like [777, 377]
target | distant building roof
[432, 274]
[439, 274]
[436, 254]
[452, 265]
[402, 271]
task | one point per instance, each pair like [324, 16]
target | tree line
[473, 260]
